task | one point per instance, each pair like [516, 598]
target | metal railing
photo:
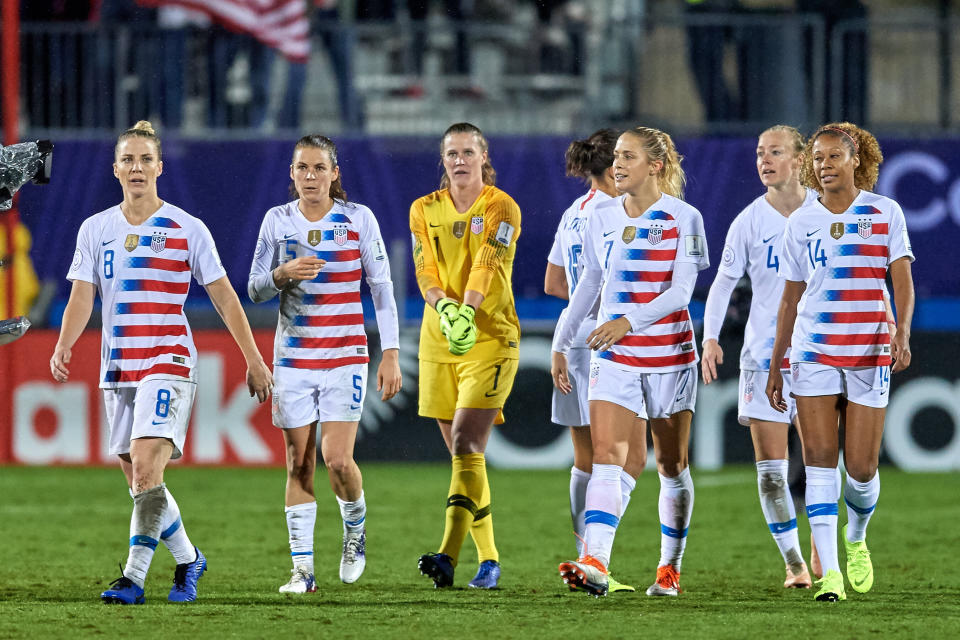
[688, 73]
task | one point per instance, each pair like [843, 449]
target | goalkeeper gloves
[463, 331]
[447, 309]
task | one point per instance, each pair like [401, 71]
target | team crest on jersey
[629, 233]
[339, 236]
[864, 228]
[476, 225]
[131, 242]
[158, 242]
[459, 228]
[314, 236]
[836, 230]
[655, 235]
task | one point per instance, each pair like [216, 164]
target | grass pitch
[63, 531]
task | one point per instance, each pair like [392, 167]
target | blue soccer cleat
[185, 578]
[123, 590]
[488, 575]
[439, 566]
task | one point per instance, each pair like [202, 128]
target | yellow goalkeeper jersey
[471, 250]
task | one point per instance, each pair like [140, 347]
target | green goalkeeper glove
[463, 331]
[447, 309]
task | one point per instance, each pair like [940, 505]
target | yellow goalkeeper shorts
[445, 387]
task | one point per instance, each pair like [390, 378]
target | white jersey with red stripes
[321, 320]
[636, 256]
[752, 247]
[567, 250]
[143, 274]
[843, 258]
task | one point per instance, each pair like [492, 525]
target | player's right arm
[75, 318]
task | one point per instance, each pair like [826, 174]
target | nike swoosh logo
[490, 395]
[769, 239]
[813, 232]
[818, 512]
[107, 242]
[288, 236]
[354, 407]
[154, 422]
[435, 225]
[609, 232]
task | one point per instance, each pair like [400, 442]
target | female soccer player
[751, 248]
[590, 159]
[139, 255]
[311, 252]
[464, 241]
[835, 257]
[645, 248]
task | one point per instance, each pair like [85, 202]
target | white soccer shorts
[752, 403]
[152, 409]
[650, 395]
[573, 409]
[867, 386]
[305, 396]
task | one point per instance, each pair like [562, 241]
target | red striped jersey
[321, 320]
[753, 247]
[636, 256]
[142, 273]
[843, 258]
[567, 250]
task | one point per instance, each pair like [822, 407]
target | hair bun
[145, 126]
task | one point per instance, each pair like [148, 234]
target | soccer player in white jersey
[644, 249]
[751, 249]
[592, 160]
[312, 252]
[139, 255]
[835, 256]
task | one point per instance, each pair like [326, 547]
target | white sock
[627, 483]
[861, 499]
[821, 498]
[578, 504]
[676, 507]
[602, 507]
[174, 534]
[353, 513]
[777, 505]
[301, 519]
[145, 523]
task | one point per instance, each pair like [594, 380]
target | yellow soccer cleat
[831, 587]
[859, 565]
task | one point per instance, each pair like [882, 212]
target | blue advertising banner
[231, 184]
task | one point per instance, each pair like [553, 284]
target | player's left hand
[775, 390]
[900, 351]
[389, 377]
[463, 331]
[559, 372]
[259, 380]
[58, 363]
[608, 334]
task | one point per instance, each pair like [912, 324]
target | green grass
[63, 531]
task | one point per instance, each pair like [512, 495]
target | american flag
[281, 24]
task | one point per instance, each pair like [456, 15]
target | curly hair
[659, 146]
[859, 141]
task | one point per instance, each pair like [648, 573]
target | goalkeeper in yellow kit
[464, 241]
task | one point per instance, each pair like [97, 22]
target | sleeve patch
[504, 233]
[695, 245]
[261, 248]
[77, 260]
[728, 256]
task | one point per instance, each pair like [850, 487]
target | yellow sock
[466, 489]
[482, 528]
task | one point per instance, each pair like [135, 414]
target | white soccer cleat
[354, 558]
[667, 583]
[301, 581]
